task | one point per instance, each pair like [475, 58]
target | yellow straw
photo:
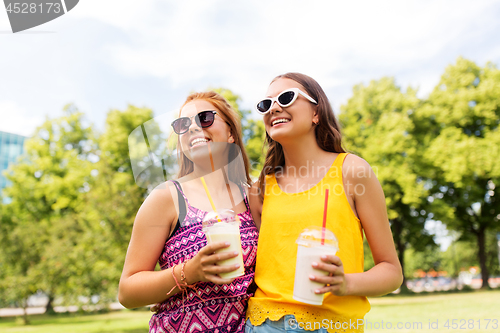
[210, 198]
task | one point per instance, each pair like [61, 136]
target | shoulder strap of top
[339, 161]
[244, 196]
[182, 206]
[335, 173]
[270, 179]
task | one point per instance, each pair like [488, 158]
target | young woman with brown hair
[305, 156]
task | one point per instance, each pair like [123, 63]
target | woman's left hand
[335, 282]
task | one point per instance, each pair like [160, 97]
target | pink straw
[324, 218]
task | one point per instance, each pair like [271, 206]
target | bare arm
[255, 204]
[139, 284]
[386, 276]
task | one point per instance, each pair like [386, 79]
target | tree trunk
[26, 320]
[481, 240]
[401, 255]
[49, 308]
[400, 248]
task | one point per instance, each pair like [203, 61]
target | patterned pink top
[225, 305]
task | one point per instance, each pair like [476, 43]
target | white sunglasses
[284, 99]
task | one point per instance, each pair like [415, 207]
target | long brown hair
[235, 173]
[327, 131]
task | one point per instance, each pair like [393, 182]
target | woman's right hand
[203, 266]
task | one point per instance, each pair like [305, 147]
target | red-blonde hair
[232, 119]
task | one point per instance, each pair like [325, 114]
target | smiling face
[292, 121]
[195, 140]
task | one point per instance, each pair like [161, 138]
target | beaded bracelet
[193, 286]
[183, 275]
[184, 286]
[176, 282]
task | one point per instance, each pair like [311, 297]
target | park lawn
[390, 310]
[433, 310]
[124, 321]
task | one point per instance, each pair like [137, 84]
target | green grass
[432, 308]
[117, 322]
[391, 310]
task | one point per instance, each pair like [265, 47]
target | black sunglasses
[203, 119]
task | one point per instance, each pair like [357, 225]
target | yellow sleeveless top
[284, 216]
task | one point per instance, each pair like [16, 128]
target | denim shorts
[285, 324]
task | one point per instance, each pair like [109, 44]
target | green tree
[427, 259]
[460, 121]
[459, 256]
[40, 221]
[3, 231]
[368, 258]
[15, 285]
[112, 201]
[378, 126]
[255, 132]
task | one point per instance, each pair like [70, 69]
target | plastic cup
[310, 249]
[227, 230]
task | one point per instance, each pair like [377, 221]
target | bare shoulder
[159, 206]
[356, 170]
[161, 195]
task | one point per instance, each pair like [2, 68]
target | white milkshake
[310, 250]
[228, 230]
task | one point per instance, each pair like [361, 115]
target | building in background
[11, 147]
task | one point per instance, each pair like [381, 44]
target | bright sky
[105, 54]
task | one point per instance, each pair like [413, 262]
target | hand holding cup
[334, 281]
[206, 264]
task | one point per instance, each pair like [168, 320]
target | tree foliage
[73, 202]
[460, 121]
[427, 259]
[378, 126]
[112, 201]
[43, 229]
